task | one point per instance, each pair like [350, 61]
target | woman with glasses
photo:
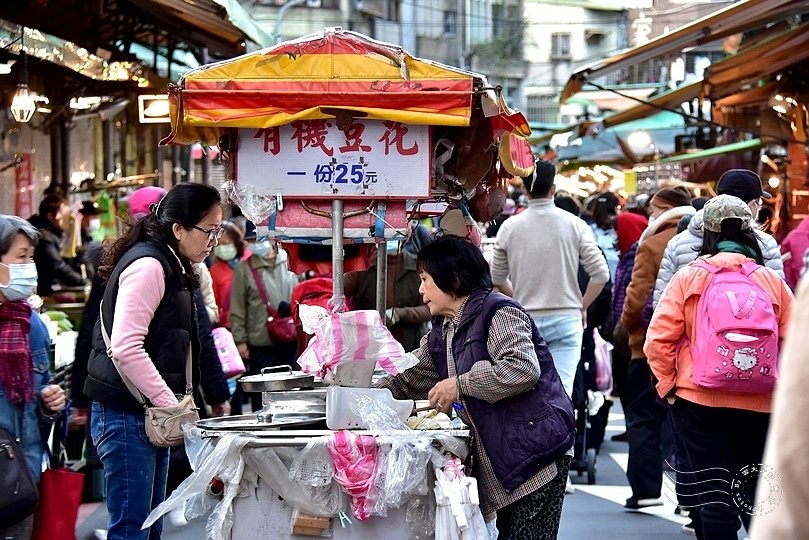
[148, 310]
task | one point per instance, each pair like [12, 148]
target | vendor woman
[485, 354]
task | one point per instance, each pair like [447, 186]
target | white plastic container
[338, 406]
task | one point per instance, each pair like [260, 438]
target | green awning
[732, 148]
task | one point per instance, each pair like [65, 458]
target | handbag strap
[127, 381]
[262, 291]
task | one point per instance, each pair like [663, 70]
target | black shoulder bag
[19, 495]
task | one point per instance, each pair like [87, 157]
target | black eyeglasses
[213, 234]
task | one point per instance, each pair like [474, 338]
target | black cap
[89, 208]
[741, 183]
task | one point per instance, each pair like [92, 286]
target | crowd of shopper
[642, 272]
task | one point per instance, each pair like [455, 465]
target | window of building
[542, 108]
[560, 45]
[449, 23]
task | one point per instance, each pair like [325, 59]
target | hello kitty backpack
[735, 347]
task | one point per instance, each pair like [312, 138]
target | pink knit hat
[141, 199]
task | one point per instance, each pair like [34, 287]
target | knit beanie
[676, 196]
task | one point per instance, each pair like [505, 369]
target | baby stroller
[592, 413]
[589, 403]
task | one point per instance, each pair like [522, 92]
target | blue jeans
[563, 335]
[135, 472]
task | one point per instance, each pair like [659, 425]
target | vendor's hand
[244, 352]
[220, 409]
[391, 317]
[53, 399]
[444, 394]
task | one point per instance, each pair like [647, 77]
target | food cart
[335, 140]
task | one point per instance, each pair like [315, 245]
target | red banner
[24, 205]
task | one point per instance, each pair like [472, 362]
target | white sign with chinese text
[314, 159]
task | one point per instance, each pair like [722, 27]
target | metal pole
[381, 278]
[337, 247]
[279, 18]
[206, 159]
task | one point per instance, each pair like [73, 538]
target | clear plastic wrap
[222, 460]
[269, 464]
[312, 466]
[420, 516]
[256, 207]
[408, 453]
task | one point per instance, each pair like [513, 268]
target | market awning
[324, 75]
[220, 26]
[667, 100]
[736, 18]
[742, 146]
[768, 57]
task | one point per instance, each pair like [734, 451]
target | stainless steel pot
[277, 378]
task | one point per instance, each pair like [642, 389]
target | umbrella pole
[381, 277]
[337, 247]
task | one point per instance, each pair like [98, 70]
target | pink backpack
[735, 347]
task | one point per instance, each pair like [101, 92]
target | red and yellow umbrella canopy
[326, 75]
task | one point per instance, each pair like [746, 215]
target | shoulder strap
[262, 291]
[127, 381]
[705, 265]
[749, 267]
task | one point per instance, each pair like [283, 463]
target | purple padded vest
[523, 433]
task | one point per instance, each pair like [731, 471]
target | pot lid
[277, 374]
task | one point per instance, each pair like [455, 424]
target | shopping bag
[60, 496]
[603, 356]
[60, 491]
[232, 364]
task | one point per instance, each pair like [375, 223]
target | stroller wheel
[591, 466]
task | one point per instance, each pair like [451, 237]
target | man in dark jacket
[51, 267]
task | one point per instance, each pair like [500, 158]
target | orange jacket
[668, 337]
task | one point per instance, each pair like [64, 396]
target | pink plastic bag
[354, 460]
[349, 337]
[603, 355]
[232, 364]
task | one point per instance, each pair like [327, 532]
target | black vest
[523, 433]
[172, 330]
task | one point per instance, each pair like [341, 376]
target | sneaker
[688, 528]
[595, 400]
[633, 503]
[569, 487]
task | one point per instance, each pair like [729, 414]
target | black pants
[719, 443]
[261, 357]
[536, 516]
[645, 420]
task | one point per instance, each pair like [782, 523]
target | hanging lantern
[23, 104]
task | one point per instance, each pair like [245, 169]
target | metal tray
[249, 422]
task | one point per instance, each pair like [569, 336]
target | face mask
[652, 219]
[262, 249]
[392, 246]
[94, 225]
[225, 252]
[22, 279]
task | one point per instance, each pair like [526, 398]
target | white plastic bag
[223, 460]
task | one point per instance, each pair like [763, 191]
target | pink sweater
[140, 289]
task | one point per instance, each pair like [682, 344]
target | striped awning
[327, 75]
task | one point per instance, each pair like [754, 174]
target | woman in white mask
[226, 255]
[248, 312]
[24, 376]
